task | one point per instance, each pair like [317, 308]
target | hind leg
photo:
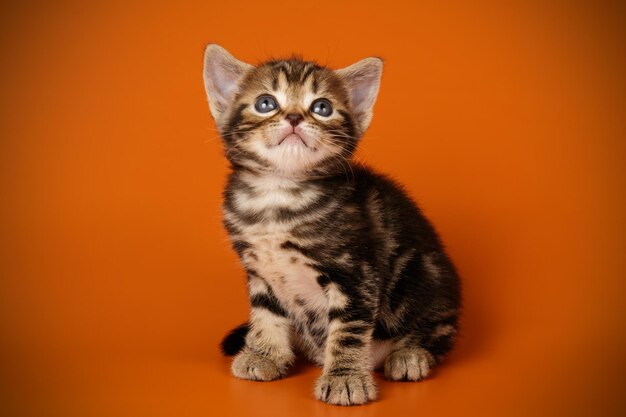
[412, 357]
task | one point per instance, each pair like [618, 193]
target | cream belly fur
[293, 283]
[291, 280]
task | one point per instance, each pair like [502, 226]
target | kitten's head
[292, 117]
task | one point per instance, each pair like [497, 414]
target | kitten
[341, 265]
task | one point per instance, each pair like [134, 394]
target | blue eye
[265, 104]
[322, 107]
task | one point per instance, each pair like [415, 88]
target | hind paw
[250, 365]
[408, 365]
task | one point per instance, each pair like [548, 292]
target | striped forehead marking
[294, 72]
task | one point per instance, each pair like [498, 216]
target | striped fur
[342, 266]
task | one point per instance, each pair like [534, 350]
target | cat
[341, 265]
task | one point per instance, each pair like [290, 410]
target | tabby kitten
[341, 265]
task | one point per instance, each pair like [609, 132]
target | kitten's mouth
[293, 139]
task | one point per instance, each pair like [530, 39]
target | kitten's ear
[222, 75]
[362, 81]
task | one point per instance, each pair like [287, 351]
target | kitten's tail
[235, 340]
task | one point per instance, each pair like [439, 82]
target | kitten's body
[341, 264]
[360, 229]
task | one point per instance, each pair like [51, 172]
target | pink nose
[294, 119]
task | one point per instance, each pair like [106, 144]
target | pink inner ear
[225, 82]
[362, 80]
[361, 91]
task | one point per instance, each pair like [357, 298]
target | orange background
[505, 121]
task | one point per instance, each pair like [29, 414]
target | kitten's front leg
[267, 354]
[346, 379]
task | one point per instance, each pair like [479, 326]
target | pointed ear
[222, 75]
[362, 81]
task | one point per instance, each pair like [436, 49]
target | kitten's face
[291, 117]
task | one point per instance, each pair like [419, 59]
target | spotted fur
[341, 264]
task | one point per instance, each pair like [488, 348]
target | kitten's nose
[294, 118]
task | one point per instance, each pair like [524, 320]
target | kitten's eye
[265, 104]
[322, 107]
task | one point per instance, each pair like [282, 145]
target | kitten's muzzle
[294, 134]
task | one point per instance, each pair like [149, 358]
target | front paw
[350, 389]
[250, 365]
